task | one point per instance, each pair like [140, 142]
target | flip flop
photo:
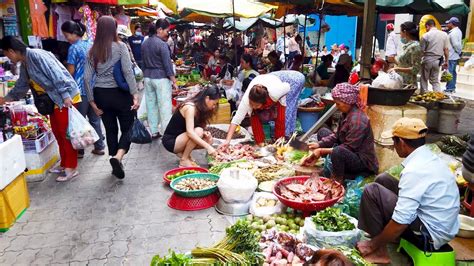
[66, 178]
[56, 170]
[117, 168]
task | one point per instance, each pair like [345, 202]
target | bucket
[448, 121]
[308, 119]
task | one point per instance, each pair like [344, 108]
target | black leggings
[115, 104]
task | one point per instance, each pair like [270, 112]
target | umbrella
[453, 7]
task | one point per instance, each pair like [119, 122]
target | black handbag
[43, 102]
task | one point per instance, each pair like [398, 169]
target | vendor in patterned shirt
[351, 149]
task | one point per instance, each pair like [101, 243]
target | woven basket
[195, 193]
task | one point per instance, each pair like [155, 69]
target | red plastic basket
[177, 170]
[306, 208]
[192, 204]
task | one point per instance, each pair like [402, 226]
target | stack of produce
[273, 171]
[239, 247]
[179, 174]
[431, 96]
[453, 145]
[284, 222]
[221, 134]
[280, 248]
[189, 184]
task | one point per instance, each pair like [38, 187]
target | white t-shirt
[277, 91]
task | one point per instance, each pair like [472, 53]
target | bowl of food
[195, 185]
[308, 194]
[178, 172]
[466, 226]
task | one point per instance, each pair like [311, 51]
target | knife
[299, 145]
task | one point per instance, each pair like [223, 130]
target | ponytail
[73, 27]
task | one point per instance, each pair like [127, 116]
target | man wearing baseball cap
[391, 47]
[422, 207]
[455, 50]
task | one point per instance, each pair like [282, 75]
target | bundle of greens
[453, 145]
[218, 167]
[240, 245]
[332, 220]
[353, 255]
[172, 259]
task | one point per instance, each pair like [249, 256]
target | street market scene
[236, 132]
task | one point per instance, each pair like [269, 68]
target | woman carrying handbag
[115, 95]
[54, 91]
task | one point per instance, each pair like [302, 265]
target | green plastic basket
[195, 193]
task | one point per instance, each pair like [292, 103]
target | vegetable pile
[239, 246]
[353, 255]
[429, 97]
[179, 174]
[272, 172]
[290, 223]
[221, 134]
[453, 145]
[446, 76]
[280, 248]
[332, 220]
[313, 190]
[241, 164]
[189, 184]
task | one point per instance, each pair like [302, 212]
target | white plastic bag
[264, 211]
[236, 185]
[315, 237]
[141, 112]
[391, 81]
[80, 132]
[469, 63]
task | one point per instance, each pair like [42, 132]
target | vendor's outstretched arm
[230, 133]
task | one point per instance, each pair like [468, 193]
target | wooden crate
[223, 114]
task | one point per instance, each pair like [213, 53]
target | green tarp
[453, 7]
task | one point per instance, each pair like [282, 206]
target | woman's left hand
[67, 102]
[136, 102]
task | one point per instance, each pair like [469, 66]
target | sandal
[57, 170]
[67, 177]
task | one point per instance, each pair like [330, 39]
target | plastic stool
[469, 206]
[420, 259]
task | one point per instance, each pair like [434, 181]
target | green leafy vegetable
[174, 259]
[353, 255]
[332, 220]
[217, 168]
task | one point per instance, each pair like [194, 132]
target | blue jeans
[86, 110]
[451, 86]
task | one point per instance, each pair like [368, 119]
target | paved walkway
[96, 219]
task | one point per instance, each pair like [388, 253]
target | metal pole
[284, 38]
[319, 38]
[235, 33]
[304, 40]
[367, 33]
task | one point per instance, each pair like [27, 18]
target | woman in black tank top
[185, 131]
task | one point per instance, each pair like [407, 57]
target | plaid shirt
[356, 135]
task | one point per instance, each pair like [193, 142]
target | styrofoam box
[38, 164]
[12, 160]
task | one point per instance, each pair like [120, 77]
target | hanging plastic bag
[79, 131]
[236, 185]
[351, 203]
[264, 203]
[138, 133]
[142, 112]
[446, 76]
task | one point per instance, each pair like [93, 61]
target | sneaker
[98, 152]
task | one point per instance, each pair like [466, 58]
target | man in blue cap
[455, 49]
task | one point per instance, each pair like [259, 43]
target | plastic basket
[178, 202]
[177, 170]
[195, 193]
[305, 207]
[39, 144]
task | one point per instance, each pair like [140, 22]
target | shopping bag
[79, 131]
[138, 133]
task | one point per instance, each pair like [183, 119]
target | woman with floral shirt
[409, 61]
